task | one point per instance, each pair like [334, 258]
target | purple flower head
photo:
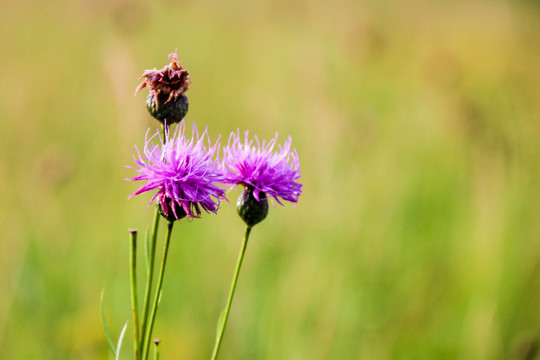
[257, 166]
[184, 172]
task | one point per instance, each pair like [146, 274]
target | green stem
[158, 290]
[156, 349]
[231, 293]
[133, 280]
[149, 278]
[165, 130]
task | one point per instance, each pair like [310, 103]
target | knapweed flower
[167, 101]
[184, 171]
[263, 172]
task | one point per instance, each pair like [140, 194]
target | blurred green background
[417, 124]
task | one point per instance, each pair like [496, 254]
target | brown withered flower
[167, 101]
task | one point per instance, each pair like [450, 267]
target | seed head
[167, 86]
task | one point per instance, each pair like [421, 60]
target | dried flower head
[184, 171]
[257, 166]
[166, 101]
[172, 81]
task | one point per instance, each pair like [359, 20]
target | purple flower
[184, 172]
[258, 167]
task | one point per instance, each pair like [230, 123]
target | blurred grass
[417, 126]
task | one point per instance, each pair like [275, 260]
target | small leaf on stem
[105, 327]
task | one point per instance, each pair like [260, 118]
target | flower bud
[251, 210]
[172, 110]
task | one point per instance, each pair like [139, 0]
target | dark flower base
[173, 111]
[179, 211]
[251, 210]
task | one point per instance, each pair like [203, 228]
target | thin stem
[149, 278]
[165, 130]
[158, 290]
[231, 293]
[133, 280]
[156, 349]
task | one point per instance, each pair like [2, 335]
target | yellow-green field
[417, 124]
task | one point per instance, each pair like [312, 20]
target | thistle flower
[263, 173]
[167, 86]
[184, 172]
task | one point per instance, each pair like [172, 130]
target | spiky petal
[256, 165]
[185, 172]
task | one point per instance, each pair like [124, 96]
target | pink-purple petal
[183, 170]
[259, 166]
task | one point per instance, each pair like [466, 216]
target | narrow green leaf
[105, 327]
[120, 341]
[220, 322]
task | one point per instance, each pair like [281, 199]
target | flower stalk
[157, 295]
[149, 279]
[133, 282]
[223, 324]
